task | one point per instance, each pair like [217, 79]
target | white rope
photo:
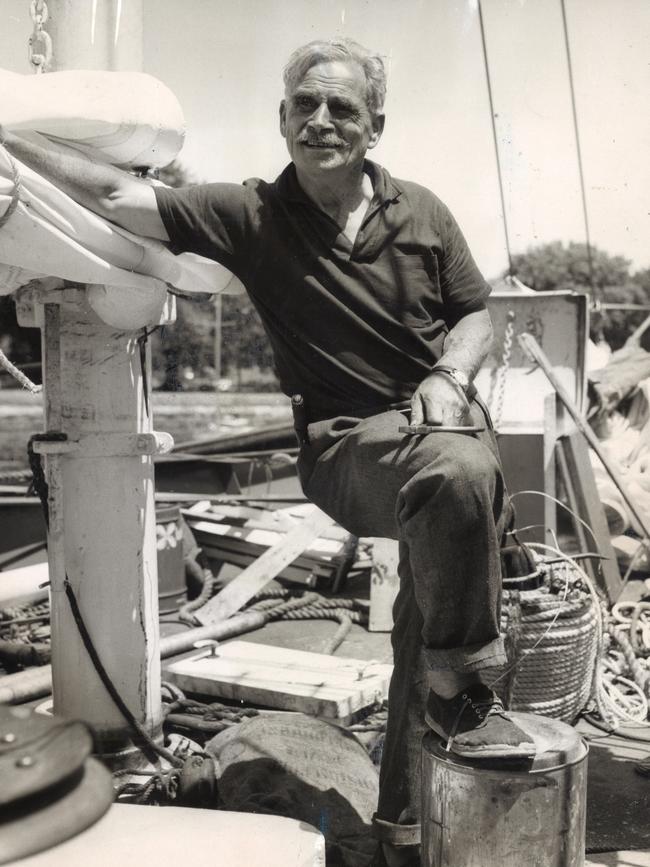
[18, 375]
[15, 195]
[529, 650]
[563, 505]
[612, 711]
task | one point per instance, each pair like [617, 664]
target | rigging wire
[494, 136]
[576, 131]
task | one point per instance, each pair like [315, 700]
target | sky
[224, 62]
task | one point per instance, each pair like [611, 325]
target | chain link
[502, 373]
[39, 49]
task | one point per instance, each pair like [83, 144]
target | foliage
[188, 344]
[21, 345]
[552, 267]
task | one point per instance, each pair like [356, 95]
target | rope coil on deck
[552, 645]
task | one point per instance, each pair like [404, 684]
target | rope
[15, 196]
[11, 369]
[280, 604]
[39, 482]
[149, 747]
[15, 477]
[185, 613]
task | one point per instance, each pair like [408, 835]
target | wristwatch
[459, 377]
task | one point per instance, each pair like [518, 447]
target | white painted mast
[102, 536]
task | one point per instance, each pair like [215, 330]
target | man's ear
[378, 121]
[283, 118]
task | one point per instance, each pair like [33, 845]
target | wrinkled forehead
[338, 76]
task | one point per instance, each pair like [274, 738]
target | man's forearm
[108, 191]
[468, 343]
[87, 182]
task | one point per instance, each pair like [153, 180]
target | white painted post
[102, 537]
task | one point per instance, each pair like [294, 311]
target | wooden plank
[590, 508]
[231, 551]
[313, 683]
[256, 519]
[292, 574]
[261, 538]
[264, 569]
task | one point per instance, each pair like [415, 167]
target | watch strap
[468, 390]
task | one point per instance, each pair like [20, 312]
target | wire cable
[494, 136]
[574, 112]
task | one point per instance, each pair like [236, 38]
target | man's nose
[321, 118]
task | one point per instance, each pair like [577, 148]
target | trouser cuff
[471, 657]
[394, 834]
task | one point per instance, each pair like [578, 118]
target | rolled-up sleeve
[212, 220]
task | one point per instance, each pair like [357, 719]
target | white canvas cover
[46, 233]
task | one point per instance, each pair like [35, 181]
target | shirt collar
[386, 190]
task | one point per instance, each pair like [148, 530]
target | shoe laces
[483, 709]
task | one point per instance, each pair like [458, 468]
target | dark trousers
[442, 496]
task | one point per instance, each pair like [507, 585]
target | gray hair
[345, 50]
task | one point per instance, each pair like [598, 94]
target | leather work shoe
[475, 725]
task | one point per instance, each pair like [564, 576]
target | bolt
[207, 642]
[25, 762]
[9, 738]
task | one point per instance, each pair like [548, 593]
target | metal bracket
[109, 445]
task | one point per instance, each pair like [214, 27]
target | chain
[503, 368]
[39, 49]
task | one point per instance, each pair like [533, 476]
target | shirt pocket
[411, 290]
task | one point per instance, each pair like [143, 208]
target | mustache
[323, 141]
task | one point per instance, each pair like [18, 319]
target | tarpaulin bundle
[43, 232]
[124, 118]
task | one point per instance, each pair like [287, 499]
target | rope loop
[15, 196]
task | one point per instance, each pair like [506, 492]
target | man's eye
[304, 102]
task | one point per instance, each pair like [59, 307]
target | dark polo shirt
[352, 326]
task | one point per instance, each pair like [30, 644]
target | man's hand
[437, 400]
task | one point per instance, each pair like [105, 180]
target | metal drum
[501, 814]
[172, 590]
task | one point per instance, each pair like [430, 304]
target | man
[375, 310]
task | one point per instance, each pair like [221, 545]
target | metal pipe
[37, 682]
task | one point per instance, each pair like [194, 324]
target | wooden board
[578, 477]
[293, 574]
[278, 677]
[264, 569]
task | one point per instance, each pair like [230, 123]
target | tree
[553, 266]
[188, 344]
